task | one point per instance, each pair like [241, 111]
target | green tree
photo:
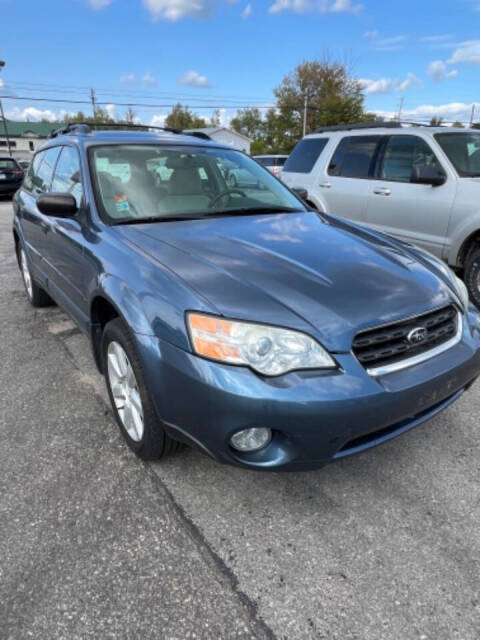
[436, 121]
[331, 95]
[216, 119]
[101, 115]
[249, 122]
[182, 118]
[458, 124]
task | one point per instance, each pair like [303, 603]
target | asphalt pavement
[97, 544]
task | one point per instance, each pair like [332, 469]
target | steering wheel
[226, 193]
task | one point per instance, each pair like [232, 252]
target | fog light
[251, 439]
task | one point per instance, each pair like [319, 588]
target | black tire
[154, 443]
[471, 276]
[35, 294]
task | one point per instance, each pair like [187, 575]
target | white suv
[419, 184]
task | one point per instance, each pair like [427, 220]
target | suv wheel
[471, 276]
[36, 295]
[129, 395]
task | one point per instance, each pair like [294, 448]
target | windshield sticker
[121, 203]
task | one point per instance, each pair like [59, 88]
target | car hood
[323, 276]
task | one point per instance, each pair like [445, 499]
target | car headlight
[462, 291]
[271, 351]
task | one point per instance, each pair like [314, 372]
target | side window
[305, 155]
[43, 177]
[30, 176]
[68, 176]
[354, 157]
[402, 154]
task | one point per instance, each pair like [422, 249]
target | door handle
[325, 185]
[382, 191]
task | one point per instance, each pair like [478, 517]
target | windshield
[160, 182]
[463, 151]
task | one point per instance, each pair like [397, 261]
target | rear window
[354, 157]
[7, 163]
[305, 155]
[266, 161]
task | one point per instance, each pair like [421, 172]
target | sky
[423, 56]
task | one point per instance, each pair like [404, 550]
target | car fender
[468, 227]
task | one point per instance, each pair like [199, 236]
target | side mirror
[300, 192]
[57, 205]
[427, 174]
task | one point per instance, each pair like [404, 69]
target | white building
[25, 137]
[227, 136]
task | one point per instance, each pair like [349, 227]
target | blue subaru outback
[234, 318]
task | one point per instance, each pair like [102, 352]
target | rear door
[344, 183]
[414, 213]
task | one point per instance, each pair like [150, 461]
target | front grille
[388, 344]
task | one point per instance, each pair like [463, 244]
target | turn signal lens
[269, 350]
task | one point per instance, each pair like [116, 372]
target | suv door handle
[325, 185]
[382, 191]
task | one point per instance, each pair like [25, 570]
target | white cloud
[468, 51]
[174, 10]
[371, 35]
[128, 78]
[158, 120]
[34, 114]
[2, 84]
[99, 4]
[110, 109]
[345, 6]
[318, 6]
[148, 79]
[247, 11]
[450, 111]
[390, 44]
[194, 79]
[437, 70]
[410, 81]
[436, 39]
[382, 85]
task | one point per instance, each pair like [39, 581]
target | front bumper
[315, 416]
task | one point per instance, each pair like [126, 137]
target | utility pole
[92, 98]
[305, 106]
[400, 108]
[2, 64]
[472, 114]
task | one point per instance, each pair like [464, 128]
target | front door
[415, 213]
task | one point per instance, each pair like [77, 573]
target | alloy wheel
[125, 393]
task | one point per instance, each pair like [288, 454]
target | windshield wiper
[147, 219]
[245, 211]
[250, 211]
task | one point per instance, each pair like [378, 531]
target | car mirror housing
[57, 205]
[300, 192]
[427, 174]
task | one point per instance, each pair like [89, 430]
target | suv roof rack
[360, 125]
[87, 127]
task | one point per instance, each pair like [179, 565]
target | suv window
[354, 157]
[305, 155]
[29, 179]
[68, 177]
[42, 173]
[402, 154]
[463, 151]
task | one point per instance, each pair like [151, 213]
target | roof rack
[360, 125]
[86, 127]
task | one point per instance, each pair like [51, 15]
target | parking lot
[97, 544]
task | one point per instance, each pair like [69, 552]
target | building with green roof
[25, 137]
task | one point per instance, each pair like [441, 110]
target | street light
[2, 64]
